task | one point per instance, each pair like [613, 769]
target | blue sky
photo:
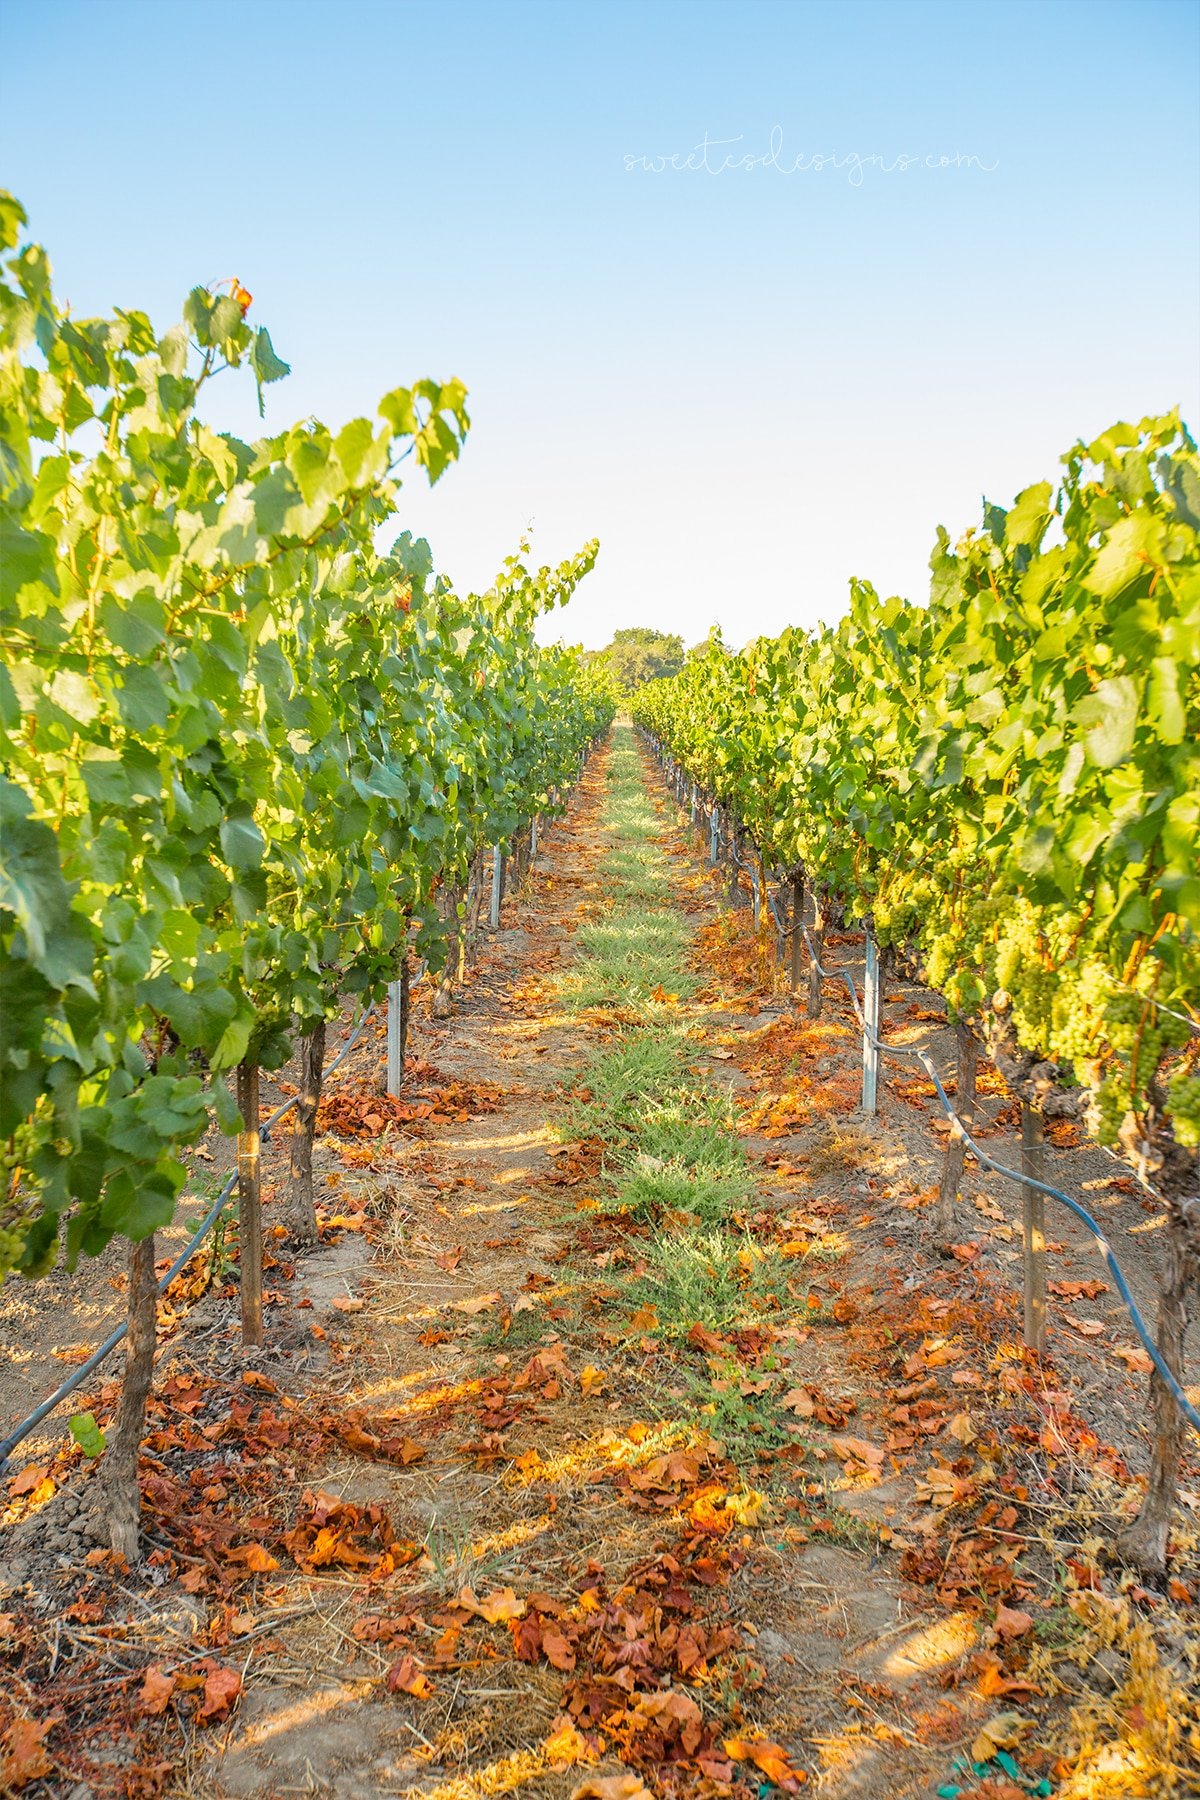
[749, 384]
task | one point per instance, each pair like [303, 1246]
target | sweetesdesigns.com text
[722, 156]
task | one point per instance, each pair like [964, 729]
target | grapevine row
[246, 753]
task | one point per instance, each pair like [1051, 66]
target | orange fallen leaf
[565, 1744]
[612, 1787]
[255, 1557]
[771, 1758]
[344, 1304]
[30, 1477]
[503, 1604]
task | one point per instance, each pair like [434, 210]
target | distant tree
[638, 654]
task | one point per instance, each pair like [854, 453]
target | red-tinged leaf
[221, 1688]
[450, 1259]
[24, 1758]
[407, 1677]
[527, 1637]
[156, 1691]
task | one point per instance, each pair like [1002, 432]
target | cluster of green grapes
[12, 1249]
[1183, 1100]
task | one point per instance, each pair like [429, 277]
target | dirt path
[543, 1480]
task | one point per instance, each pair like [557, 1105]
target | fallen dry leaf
[612, 1787]
[344, 1304]
[1000, 1733]
[24, 1758]
[771, 1758]
[255, 1557]
[221, 1688]
[407, 1677]
[156, 1691]
[503, 1604]
[478, 1305]
[1011, 1622]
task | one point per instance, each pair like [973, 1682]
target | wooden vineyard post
[714, 831]
[1033, 1229]
[797, 934]
[249, 1204]
[533, 836]
[870, 1051]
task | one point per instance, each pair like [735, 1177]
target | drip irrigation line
[80, 1375]
[1085, 1218]
[919, 1052]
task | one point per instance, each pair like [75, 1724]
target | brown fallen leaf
[155, 1692]
[450, 1259]
[858, 1450]
[962, 1427]
[1011, 1622]
[221, 1688]
[478, 1305]
[344, 1304]
[407, 1677]
[1089, 1328]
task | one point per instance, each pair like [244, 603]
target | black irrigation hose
[80, 1375]
[1085, 1218]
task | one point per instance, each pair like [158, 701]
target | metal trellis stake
[249, 1205]
[1033, 1229]
[497, 884]
[870, 1053]
[395, 1038]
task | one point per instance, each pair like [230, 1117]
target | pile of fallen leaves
[357, 1112]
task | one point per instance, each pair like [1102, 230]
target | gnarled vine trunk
[818, 938]
[302, 1211]
[956, 1150]
[120, 1497]
[1144, 1542]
